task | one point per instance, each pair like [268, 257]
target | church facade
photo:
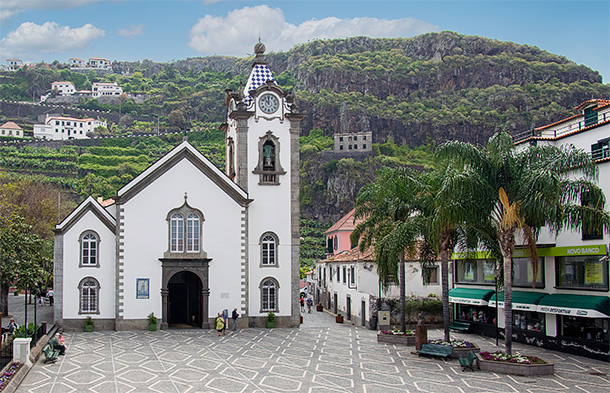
[184, 240]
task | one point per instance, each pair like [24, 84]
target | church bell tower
[262, 157]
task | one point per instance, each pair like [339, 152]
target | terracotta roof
[352, 255]
[558, 122]
[345, 223]
[13, 59]
[593, 101]
[11, 125]
[75, 58]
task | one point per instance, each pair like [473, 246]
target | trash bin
[373, 322]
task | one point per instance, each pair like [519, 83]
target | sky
[168, 30]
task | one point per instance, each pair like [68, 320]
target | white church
[183, 240]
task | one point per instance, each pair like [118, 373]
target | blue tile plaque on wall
[142, 288]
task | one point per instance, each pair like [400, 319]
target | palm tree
[447, 209]
[527, 189]
[391, 223]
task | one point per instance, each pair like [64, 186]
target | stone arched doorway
[184, 300]
[185, 293]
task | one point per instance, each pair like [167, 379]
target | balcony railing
[555, 132]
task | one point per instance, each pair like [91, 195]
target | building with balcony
[13, 64]
[63, 88]
[100, 89]
[568, 309]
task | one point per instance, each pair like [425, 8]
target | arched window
[177, 233]
[89, 289]
[269, 287]
[192, 233]
[269, 168]
[89, 249]
[269, 243]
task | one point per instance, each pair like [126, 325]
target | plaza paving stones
[319, 357]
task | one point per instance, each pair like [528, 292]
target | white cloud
[132, 31]
[32, 40]
[236, 33]
[9, 8]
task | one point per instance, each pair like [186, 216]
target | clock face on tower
[268, 103]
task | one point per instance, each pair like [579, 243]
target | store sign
[462, 300]
[596, 249]
[516, 306]
[577, 312]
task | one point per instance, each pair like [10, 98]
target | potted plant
[319, 307]
[270, 320]
[460, 347]
[88, 324]
[152, 322]
[396, 336]
[339, 318]
[500, 362]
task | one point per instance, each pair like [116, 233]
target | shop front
[471, 305]
[526, 317]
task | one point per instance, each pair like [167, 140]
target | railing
[38, 333]
[554, 132]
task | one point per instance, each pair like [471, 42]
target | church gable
[184, 151]
[88, 205]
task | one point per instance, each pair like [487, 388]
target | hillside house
[11, 129]
[62, 128]
[99, 89]
[98, 63]
[63, 88]
[13, 64]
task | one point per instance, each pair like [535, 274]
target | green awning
[470, 296]
[526, 301]
[576, 305]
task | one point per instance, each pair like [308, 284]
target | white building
[347, 280]
[11, 129]
[14, 64]
[75, 62]
[99, 89]
[63, 88]
[185, 240]
[569, 309]
[98, 63]
[61, 128]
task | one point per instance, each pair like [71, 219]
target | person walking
[309, 304]
[50, 295]
[234, 316]
[302, 305]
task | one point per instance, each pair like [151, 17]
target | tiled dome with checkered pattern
[259, 76]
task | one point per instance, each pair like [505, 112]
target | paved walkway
[320, 356]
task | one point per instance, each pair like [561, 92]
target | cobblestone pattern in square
[330, 358]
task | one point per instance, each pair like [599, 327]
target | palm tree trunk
[445, 289]
[403, 305]
[508, 301]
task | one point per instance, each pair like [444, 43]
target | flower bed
[8, 374]
[396, 337]
[460, 347]
[500, 362]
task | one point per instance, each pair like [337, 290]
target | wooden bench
[460, 326]
[440, 351]
[50, 355]
[468, 362]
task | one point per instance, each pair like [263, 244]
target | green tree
[523, 190]
[391, 223]
[22, 257]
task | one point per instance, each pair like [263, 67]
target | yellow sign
[594, 272]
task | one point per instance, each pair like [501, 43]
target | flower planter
[339, 319]
[395, 339]
[270, 325]
[88, 328]
[515, 368]
[152, 327]
[463, 352]
[319, 308]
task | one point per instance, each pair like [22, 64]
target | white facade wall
[73, 274]
[61, 128]
[63, 88]
[146, 238]
[106, 89]
[270, 212]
